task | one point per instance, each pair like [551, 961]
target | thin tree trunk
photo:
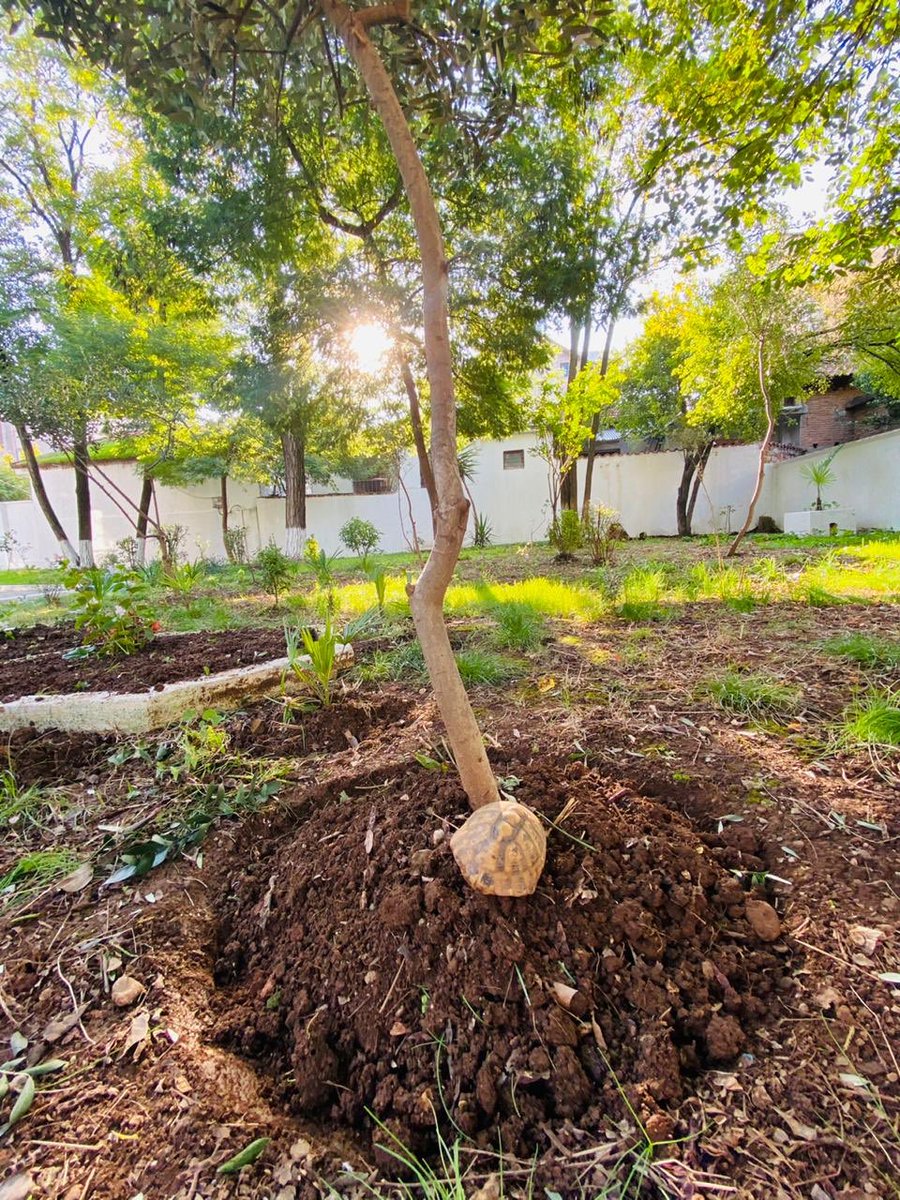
[294, 494]
[763, 450]
[684, 488]
[143, 520]
[223, 500]
[595, 428]
[703, 459]
[66, 549]
[83, 496]
[415, 417]
[452, 511]
[568, 492]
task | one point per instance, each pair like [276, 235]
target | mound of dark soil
[364, 974]
[261, 732]
[31, 660]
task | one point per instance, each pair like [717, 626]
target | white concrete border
[138, 712]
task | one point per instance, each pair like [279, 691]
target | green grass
[519, 627]
[865, 650]
[33, 873]
[548, 597]
[874, 721]
[17, 801]
[753, 694]
[641, 594]
[25, 575]
[479, 666]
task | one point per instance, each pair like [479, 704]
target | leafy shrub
[482, 534]
[565, 533]
[184, 579]
[170, 543]
[601, 532]
[317, 674]
[360, 536]
[275, 570]
[111, 611]
[315, 557]
[235, 540]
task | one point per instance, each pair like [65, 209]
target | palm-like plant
[820, 475]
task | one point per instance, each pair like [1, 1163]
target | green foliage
[868, 651]
[820, 475]
[874, 721]
[479, 666]
[601, 531]
[641, 593]
[519, 626]
[235, 539]
[111, 610]
[17, 801]
[753, 694]
[185, 578]
[275, 570]
[33, 873]
[566, 534]
[378, 575]
[320, 562]
[317, 674]
[482, 534]
[12, 485]
[360, 536]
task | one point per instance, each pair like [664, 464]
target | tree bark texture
[763, 450]
[82, 461]
[452, 510]
[294, 494]
[595, 428]
[66, 549]
[568, 492]
[143, 519]
[415, 417]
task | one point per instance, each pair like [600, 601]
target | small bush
[601, 531]
[235, 540]
[753, 694]
[565, 533]
[111, 611]
[482, 534]
[360, 536]
[275, 570]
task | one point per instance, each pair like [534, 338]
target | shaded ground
[298, 971]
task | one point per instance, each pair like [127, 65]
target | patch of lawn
[873, 721]
[479, 666]
[865, 650]
[753, 694]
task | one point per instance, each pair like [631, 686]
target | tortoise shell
[501, 849]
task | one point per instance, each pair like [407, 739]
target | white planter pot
[837, 520]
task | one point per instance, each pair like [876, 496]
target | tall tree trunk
[415, 417]
[427, 596]
[66, 549]
[568, 492]
[223, 500]
[143, 520]
[83, 495]
[294, 494]
[702, 460]
[684, 491]
[595, 427]
[763, 449]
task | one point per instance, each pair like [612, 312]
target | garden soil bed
[31, 660]
[321, 961]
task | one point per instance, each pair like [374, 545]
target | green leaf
[246, 1156]
[24, 1102]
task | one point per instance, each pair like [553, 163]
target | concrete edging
[139, 712]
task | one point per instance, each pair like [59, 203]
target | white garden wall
[512, 497]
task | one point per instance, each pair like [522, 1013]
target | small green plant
[867, 651]
[519, 627]
[361, 537]
[874, 721]
[111, 611]
[753, 694]
[378, 575]
[565, 534]
[482, 532]
[185, 578]
[33, 873]
[316, 675]
[601, 532]
[477, 666]
[171, 539]
[640, 595]
[15, 800]
[314, 556]
[275, 570]
[820, 475]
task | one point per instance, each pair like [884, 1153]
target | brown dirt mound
[365, 975]
[261, 732]
[51, 756]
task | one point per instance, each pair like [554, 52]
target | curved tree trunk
[698, 480]
[595, 427]
[763, 450]
[452, 510]
[294, 494]
[568, 492]
[66, 549]
[415, 418]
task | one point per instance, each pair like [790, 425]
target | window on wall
[513, 460]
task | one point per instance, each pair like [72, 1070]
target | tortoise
[501, 849]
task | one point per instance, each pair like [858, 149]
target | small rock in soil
[763, 919]
[126, 990]
[724, 1039]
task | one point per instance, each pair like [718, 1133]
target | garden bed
[148, 689]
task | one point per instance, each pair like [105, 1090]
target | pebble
[763, 919]
[126, 990]
[438, 836]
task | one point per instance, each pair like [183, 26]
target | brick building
[841, 414]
